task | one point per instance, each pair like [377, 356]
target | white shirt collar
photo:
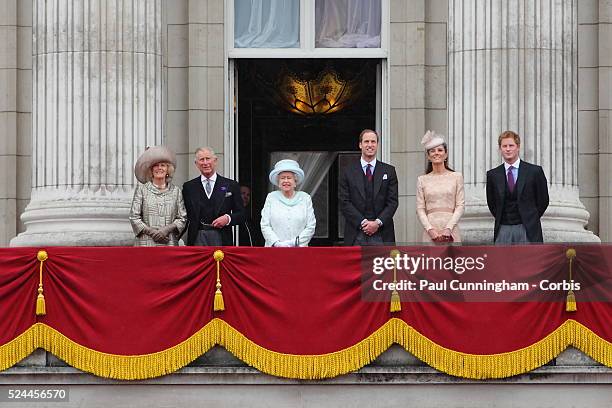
[212, 179]
[515, 164]
[365, 163]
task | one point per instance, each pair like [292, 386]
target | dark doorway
[321, 133]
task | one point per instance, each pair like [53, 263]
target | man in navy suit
[368, 196]
[213, 203]
[517, 195]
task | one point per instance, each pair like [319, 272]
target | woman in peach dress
[440, 195]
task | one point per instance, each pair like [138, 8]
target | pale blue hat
[286, 165]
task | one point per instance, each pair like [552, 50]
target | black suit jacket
[352, 200]
[532, 197]
[226, 200]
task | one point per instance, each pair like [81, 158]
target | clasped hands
[369, 227]
[221, 221]
[289, 243]
[160, 235]
[440, 235]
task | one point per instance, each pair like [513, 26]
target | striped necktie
[208, 187]
[510, 179]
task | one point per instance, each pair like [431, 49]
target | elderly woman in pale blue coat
[287, 219]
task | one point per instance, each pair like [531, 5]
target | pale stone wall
[196, 97]
[205, 79]
[605, 121]
[15, 114]
[177, 60]
[8, 118]
[417, 78]
[588, 137]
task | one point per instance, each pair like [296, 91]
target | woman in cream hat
[287, 219]
[158, 214]
[440, 194]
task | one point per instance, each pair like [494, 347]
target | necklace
[162, 187]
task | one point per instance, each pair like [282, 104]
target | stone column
[605, 119]
[9, 63]
[97, 103]
[513, 66]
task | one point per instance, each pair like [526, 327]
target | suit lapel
[218, 193]
[378, 175]
[358, 174]
[500, 176]
[523, 173]
[195, 196]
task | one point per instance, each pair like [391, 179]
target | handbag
[443, 239]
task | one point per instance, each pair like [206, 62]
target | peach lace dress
[440, 202]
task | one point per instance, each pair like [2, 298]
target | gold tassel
[219, 305]
[396, 304]
[570, 302]
[41, 309]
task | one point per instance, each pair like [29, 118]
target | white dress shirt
[515, 169]
[212, 179]
[364, 165]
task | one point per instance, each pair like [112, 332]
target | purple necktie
[369, 172]
[510, 179]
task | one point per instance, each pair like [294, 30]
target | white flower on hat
[431, 140]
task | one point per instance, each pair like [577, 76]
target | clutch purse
[443, 239]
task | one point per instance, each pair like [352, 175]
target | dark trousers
[365, 240]
[208, 238]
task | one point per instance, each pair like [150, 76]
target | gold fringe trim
[19, 348]
[134, 367]
[131, 367]
[307, 367]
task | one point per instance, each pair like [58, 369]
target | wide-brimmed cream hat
[286, 165]
[152, 155]
[431, 140]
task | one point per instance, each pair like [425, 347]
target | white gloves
[285, 244]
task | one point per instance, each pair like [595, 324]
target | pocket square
[228, 194]
[385, 176]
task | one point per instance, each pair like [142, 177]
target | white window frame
[307, 49]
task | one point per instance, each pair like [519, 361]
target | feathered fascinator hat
[431, 140]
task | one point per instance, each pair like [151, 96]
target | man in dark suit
[249, 233]
[368, 196]
[213, 203]
[517, 195]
